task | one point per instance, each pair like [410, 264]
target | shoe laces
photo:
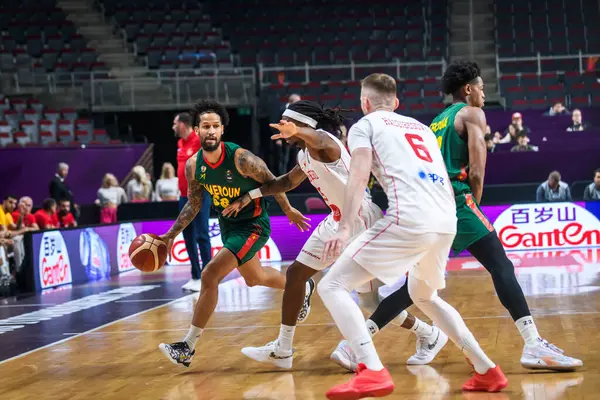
[180, 346]
[550, 346]
[421, 346]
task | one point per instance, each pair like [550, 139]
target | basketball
[148, 252]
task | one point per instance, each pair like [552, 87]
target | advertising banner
[89, 254]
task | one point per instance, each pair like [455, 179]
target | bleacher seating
[26, 122]
[36, 38]
[549, 27]
[169, 34]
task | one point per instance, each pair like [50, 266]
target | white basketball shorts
[311, 254]
[388, 251]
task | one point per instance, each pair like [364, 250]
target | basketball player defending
[226, 172]
[460, 130]
[325, 161]
[415, 236]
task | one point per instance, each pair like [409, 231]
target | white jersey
[409, 166]
[330, 179]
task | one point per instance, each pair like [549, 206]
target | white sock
[528, 330]
[372, 327]
[366, 353]
[286, 337]
[334, 289]
[402, 317]
[192, 336]
[420, 328]
[450, 322]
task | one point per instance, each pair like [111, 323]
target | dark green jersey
[455, 149]
[225, 184]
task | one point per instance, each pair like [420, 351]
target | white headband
[300, 117]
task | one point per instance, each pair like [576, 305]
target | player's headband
[300, 117]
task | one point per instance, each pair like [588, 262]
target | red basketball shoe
[492, 381]
[366, 383]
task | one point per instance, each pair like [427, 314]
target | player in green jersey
[460, 131]
[226, 172]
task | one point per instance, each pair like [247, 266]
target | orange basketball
[147, 252]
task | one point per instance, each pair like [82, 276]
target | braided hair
[328, 119]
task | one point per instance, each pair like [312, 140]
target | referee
[197, 231]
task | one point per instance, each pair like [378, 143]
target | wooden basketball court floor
[82, 343]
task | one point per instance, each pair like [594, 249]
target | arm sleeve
[360, 135]
[569, 198]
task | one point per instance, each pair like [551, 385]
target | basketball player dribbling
[415, 236]
[325, 161]
[460, 130]
[226, 172]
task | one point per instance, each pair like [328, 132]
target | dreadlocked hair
[458, 74]
[209, 106]
[328, 119]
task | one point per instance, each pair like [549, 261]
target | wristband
[255, 193]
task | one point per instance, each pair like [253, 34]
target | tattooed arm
[250, 166]
[193, 205]
[253, 167]
[284, 183]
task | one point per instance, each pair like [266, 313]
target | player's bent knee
[250, 282]
[209, 279]
[298, 274]
[325, 287]
[419, 291]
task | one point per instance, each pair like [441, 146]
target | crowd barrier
[80, 255]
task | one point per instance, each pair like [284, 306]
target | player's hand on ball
[298, 219]
[335, 245]
[169, 241]
[234, 208]
[286, 129]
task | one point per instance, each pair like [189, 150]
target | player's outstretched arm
[316, 141]
[191, 208]
[281, 184]
[253, 167]
[475, 123]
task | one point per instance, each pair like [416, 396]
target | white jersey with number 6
[409, 166]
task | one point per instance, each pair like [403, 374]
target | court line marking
[28, 305]
[222, 328]
[94, 329]
[145, 300]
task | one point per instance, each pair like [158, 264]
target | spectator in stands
[167, 187]
[578, 124]
[8, 206]
[489, 142]
[515, 129]
[511, 135]
[65, 217]
[59, 190]
[553, 189]
[592, 191]
[139, 189]
[523, 145]
[110, 196]
[285, 151]
[22, 216]
[46, 217]
[557, 109]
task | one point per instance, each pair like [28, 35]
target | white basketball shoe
[270, 353]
